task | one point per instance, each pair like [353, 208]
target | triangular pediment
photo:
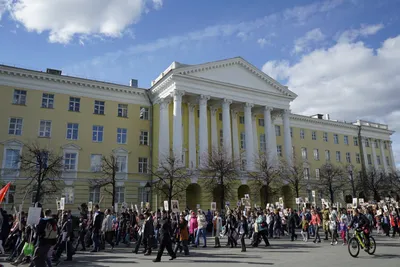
[12, 143]
[239, 72]
[71, 146]
[120, 150]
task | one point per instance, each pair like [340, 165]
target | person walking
[217, 222]
[201, 230]
[316, 222]
[292, 222]
[165, 237]
[107, 228]
[97, 221]
[243, 231]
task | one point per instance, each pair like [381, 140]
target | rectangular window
[355, 140]
[221, 138]
[47, 100]
[94, 195]
[348, 157]
[304, 153]
[317, 173]
[120, 194]
[243, 140]
[369, 159]
[346, 140]
[144, 113]
[68, 194]
[314, 135]
[11, 159]
[241, 119]
[262, 142]
[142, 165]
[261, 122]
[121, 135]
[198, 113]
[385, 145]
[70, 161]
[95, 162]
[327, 155]
[220, 116]
[19, 97]
[376, 143]
[279, 150]
[72, 131]
[378, 159]
[74, 104]
[99, 107]
[302, 134]
[335, 139]
[338, 157]
[316, 154]
[10, 195]
[358, 159]
[366, 142]
[45, 128]
[306, 172]
[122, 110]
[388, 161]
[144, 138]
[277, 130]
[291, 132]
[15, 126]
[121, 163]
[325, 137]
[97, 135]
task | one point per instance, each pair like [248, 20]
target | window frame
[118, 194]
[94, 167]
[18, 122]
[72, 131]
[314, 135]
[325, 137]
[338, 156]
[346, 139]
[243, 140]
[122, 163]
[277, 130]
[348, 157]
[94, 194]
[304, 153]
[355, 140]
[99, 107]
[47, 101]
[263, 143]
[279, 150]
[144, 138]
[144, 113]
[121, 133]
[74, 104]
[98, 132]
[336, 139]
[42, 134]
[143, 165]
[316, 154]
[69, 161]
[19, 97]
[241, 119]
[302, 134]
[122, 110]
[261, 122]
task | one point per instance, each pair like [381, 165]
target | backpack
[50, 232]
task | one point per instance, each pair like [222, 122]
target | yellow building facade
[188, 111]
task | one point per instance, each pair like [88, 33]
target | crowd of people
[43, 244]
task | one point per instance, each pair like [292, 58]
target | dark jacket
[293, 220]
[98, 220]
[165, 228]
[148, 228]
[41, 230]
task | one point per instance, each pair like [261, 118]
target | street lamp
[147, 189]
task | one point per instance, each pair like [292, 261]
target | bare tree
[374, 182]
[220, 172]
[171, 178]
[331, 180]
[268, 177]
[393, 182]
[43, 167]
[293, 174]
[354, 179]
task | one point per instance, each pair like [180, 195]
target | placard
[124, 206]
[361, 201]
[136, 208]
[197, 206]
[355, 202]
[297, 200]
[214, 206]
[148, 205]
[281, 202]
[175, 205]
[33, 216]
[247, 196]
[313, 193]
[166, 207]
[58, 204]
[306, 200]
[246, 203]
[141, 205]
[115, 207]
[90, 206]
[62, 203]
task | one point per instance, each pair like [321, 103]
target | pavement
[282, 252]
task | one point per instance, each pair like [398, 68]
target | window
[19, 97]
[45, 128]
[291, 132]
[99, 107]
[121, 163]
[15, 127]
[338, 158]
[348, 158]
[68, 194]
[279, 150]
[355, 140]
[97, 135]
[11, 158]
[144, 138]
[120, 194]
[94, 194]
[95, 162]
[317, 173]
[143, 195]
[376, 143]
[302, 135]
[358, 159]
[243, 140]
[385, 145]
[335, 139]
[261, 122]
[122, 110]
[327, 155]
[387, 161]
[121, 135]
[47, 100]
[366, 142]
[304, 152]
[378, 159]
[142, 165]
[221, 137]
[306, 172]
[10, 195]
[316, 154]
[70, 161]
[74, 104]
[369, 159]
[262, 142]
[144, 113]
[241, 119]
[314, 135]
[220, 116]
[198, 113]
[325, 137]
[346, 140]
[72, 131]
[277, 130]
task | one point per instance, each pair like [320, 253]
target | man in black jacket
[46, 240]
[97, 222]
[293, 220]
[148, 233]
[66, 239]
[165, 238]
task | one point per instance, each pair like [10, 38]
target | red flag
[4, 191]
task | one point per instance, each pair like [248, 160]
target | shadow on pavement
[387, 256]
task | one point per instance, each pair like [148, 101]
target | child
[304, 229]
[343, 229]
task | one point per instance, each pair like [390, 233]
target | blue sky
[332, 53]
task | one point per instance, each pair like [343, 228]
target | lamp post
[147, 189]
[353, 188]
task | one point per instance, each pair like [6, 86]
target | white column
[192, 137]
[287, 141]
[214, 132]
[255, 134]
[375, 159]
[392, 156]
[365, 153]
[249, 137]
[383, 158]
[203, 130]
[163, 131]
[177, 125]
[226, 127]
[270, 135]
[235, 136]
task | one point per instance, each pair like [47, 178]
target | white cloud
[302, 13]
[262, 42]
[4, 6]
[347, 80]
[364, 31]
[65, 19]
[309, 38]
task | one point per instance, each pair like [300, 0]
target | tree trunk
[222, 197]
[38, 191]
[331, 193]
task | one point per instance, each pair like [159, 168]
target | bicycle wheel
[372, 246]
[353, 247]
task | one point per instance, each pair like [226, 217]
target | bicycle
[357, 240]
